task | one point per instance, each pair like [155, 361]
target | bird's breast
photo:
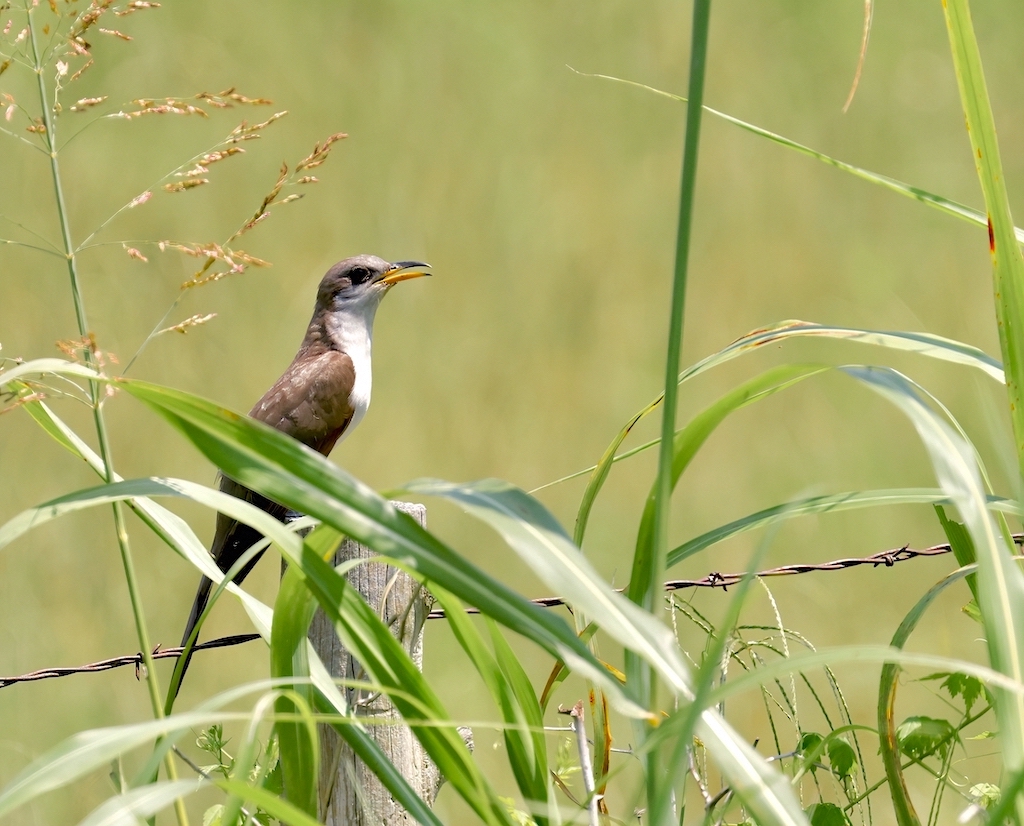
[353, 334]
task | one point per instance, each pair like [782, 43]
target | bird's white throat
[351, 331]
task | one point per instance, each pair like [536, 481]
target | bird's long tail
[202, 597]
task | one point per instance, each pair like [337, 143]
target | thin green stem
[9, 242]
[649, 563]
[96, 396]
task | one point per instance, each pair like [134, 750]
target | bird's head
[359, 283]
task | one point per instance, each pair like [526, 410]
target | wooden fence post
[350, 794]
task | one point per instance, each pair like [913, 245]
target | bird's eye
[359, 275]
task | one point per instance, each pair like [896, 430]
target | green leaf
[390, 667]
[920, 736]
[841, 757]
[959, 684]
[960, 542]
[90, 750]
[533, 533]
[47, 366]
[826, 814]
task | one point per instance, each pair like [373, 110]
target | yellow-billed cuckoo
[320, 398]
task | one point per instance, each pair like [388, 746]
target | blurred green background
[546, 202]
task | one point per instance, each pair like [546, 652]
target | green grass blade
[690, 439]
[1007, 262]
[831, 503]
[370, 641]
[535, 535]
[938, 202]
[47, 366]
[649, 560]
[924, 344]
[526, 753]
[145, 801]
[278, 808]
[1000, 581]
[293, 613]
[286, 471]
[87, 751]
[527, 733]
[530, 530]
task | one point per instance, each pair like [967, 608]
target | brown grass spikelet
[167, 106]
[229, 97]
[134, 253]
[117, 34]
[87, 65]
[319, 153]
[134, 6]
[184, 326]
[79, 46]
[293, 197]
[308, 179]
[181, 186]
[89, 17]
[5, 66]
[219, 155]
[38, 127]
[246, 132]
[86, 103]
[76, 348]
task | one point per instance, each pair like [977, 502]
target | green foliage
[694, 762]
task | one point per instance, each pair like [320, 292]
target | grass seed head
[134, 253]
[86, 103]
[186, 325]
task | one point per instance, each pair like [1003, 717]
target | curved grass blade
[938, 202]
[832, 503]
[293, 657]
[275, 806]
[1000, 581]
[371, 642]
[129, 808]
[286, 471]
[89, 750]
[691, 438]
[540, 541]
[524, 741]
[924, 344]
[47, 366]
[535, 535]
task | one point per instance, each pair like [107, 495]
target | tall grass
[698, 765]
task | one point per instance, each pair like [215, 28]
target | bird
[318, 400]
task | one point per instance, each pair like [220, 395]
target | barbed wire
[714, 579]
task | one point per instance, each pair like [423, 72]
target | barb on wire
[712, 580]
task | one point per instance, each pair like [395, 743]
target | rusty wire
[712, 580]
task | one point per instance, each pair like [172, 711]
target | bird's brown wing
[310, 402]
